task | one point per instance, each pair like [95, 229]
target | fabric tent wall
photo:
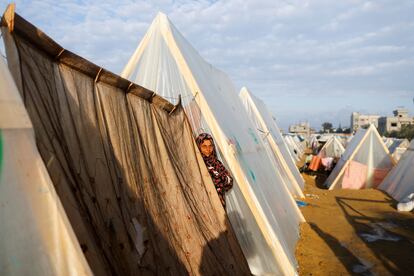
[125, 166]
[399, 183]
[165, 62]
[36, 236]
[274, 142]
[365, 157]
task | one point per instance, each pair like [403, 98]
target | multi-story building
[395, 123]
[359, 120]
[301, 128]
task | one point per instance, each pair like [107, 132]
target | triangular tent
[364, 164]
[301, 142]
[273, 140]
[313, 139]
[398, 147]
[295, 149]
[332, 148]
[124, 164]
[399, 183]
[36, 236]
[388, 141]
[261, 209]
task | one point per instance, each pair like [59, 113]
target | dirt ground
[353, 232]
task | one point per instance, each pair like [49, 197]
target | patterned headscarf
[222, 179]
[201, 138]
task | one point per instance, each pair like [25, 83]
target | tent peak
[244, 90]
[161, 15]
[372, 126]
[161, 21]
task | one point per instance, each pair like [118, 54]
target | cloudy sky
[315, 60]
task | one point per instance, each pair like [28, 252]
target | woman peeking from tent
[221, 177]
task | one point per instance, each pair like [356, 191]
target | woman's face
[206, 148]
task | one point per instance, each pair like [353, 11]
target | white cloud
[294, 53]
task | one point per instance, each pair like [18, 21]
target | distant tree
[347, 130]
[326, 127]
[406, 132]
[339, 130]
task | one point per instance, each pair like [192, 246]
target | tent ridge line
[274, 146]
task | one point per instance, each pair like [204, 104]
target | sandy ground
[354, 232]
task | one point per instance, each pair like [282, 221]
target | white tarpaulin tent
[399, 183]
[398, 147]
[273, 140]
[295, 149]
[364, 164]
[332, 148]
[264, 215]
[36, 236]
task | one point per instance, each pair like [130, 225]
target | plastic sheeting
[260, 207]
[400, 181]
[273, 141]
[125, 166]
[295, 148]
[398, 147]
[366, 148]
[36, 236]
[332, 148]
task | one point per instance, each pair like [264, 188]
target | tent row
[136, 197]
[399, 183]
[113, 185]
[296, 145]
[396, 147]
[369, 162]
[261, 208]
[328, 155]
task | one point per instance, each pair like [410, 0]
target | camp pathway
[354, 232]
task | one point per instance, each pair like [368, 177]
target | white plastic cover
[399, 183]
[295, 151]
[366, 148]
[36, 236]
[398, 143]
[301, 143]
[398, 147]
[273, 141]
[332, 148]
[264, 214]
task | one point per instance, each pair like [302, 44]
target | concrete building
[395, 123]
[301, 128]
[359, 120]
